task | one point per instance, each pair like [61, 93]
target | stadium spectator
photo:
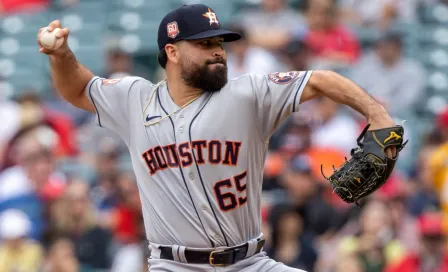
[378, 14]
[61, 257]
[431, 255]
[55, 103]
[425, 196]
[442, 124]
[18, 252]
[11, 122]
[334, 128]
[61, 124]
[349, 263]
[374, 243]
[118, 63]
[305, 195]
[76, 218]
[292, 140]
[290, 244]
[131, 257]
[437, 161]
[390, 76]
[272, 24]
[332, 45]
[244, 58]
[296, 55]
[395, 194]
[24, 185]
[127, 221]
[104, 191]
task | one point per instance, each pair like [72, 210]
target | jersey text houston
[171, 156]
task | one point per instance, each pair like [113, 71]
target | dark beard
[202, 77]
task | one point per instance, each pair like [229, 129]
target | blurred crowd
[68, 197]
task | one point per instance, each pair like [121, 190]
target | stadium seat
[150, 6]
[7, 67]
[434, 56]
[92, 57]
[433, 34]
[437, 82]
[91, 36]
[146, 33]
[9, 46]
[26, 38]
[29, 78]
[16, 23]
[30, 58]
[84, 18]
[435, 104]
[128, 20]
[437, 13]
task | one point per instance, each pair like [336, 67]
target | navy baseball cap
[192, 22]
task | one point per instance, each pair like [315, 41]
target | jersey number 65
[228, 200]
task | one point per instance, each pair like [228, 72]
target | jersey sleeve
[110, 97]
[277, 96]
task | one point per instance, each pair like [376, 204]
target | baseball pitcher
[198, 140]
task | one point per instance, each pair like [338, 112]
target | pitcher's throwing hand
[62, 34]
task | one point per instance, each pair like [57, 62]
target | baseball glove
[369, 167]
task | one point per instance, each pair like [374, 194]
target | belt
[218, 257]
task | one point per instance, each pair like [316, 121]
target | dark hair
[392, 36]
[276, 218]
[162, 57]
[117, 53]
[306, 4]
[8, 157]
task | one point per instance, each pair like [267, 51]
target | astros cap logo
[172, 29]
[212, 16]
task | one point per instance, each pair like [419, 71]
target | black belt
[218, 257]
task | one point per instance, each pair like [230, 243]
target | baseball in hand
[48, 39]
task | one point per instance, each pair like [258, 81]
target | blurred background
[68, 197]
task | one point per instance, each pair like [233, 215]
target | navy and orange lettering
[232, 151]
[150, 160]
[198, 145]
[214, 152]
[171, 155]
[185, 155]
[160, 158]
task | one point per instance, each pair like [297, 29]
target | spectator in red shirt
[60, 123]
[127, 220]
[12, 6]
[331, 44]
[432, 255]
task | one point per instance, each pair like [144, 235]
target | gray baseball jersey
[199, 172]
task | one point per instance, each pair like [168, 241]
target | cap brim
[228, 36]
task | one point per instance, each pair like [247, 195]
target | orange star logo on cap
[212, 16]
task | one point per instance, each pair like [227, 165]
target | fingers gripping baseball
[52, 39]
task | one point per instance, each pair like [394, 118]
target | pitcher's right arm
[69, 76]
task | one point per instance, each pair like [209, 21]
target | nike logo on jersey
[149, 118]
[212, 152]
